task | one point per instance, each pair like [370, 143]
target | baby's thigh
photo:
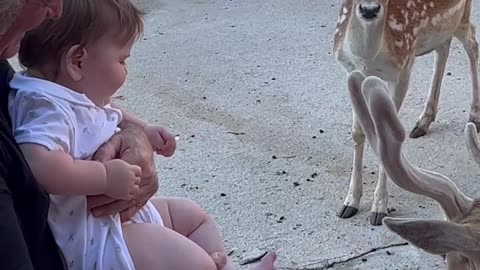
[182, 214]
[153, 246]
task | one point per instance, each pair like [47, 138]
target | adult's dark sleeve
[14, 254]
[13, 249]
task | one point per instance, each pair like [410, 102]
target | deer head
[366, 27]
[459, 235]
[370, 11]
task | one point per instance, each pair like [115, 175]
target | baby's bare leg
[152, 246]
[188, 218]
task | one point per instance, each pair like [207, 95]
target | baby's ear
[73, 60]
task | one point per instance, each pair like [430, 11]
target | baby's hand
[163, 142]
[122, 179]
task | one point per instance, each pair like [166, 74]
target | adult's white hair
[8, 12]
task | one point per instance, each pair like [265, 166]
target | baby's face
[104, 70]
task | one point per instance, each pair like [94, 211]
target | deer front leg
[431, 106]
[380, 199]
[466, 34]
[352, 201]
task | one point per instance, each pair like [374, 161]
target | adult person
[26, 241]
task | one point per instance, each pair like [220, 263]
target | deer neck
[365, 38]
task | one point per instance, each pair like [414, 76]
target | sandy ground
[242, 82]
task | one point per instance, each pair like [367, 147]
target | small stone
[274, 157]
[449, 73]
[223, 194]
[296, 184]
[389, 253]
[322, 131]
[364, 259]
[391, 210]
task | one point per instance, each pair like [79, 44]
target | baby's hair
[82, 22]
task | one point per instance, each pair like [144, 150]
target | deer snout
[369, 11]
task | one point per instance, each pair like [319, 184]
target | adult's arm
[13, 249]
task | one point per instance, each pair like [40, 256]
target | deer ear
[435, 236]
[382, 108]
[354, 81]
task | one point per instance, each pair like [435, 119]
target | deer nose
[369, 11]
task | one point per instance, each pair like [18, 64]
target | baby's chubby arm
[58, 173]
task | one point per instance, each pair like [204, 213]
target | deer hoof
[417, 132]
[376, 218]
[347, 212]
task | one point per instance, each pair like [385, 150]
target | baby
[62, 113]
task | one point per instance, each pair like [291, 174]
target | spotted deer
[458, 235]
[382, 38]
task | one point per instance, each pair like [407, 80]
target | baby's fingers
[137, 171]
[135, 190]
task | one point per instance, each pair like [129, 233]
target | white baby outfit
[58, 118]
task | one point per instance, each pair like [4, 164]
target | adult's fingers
[112, 208]
[95, 201]
[128, 213]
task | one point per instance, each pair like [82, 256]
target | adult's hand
[131, 145]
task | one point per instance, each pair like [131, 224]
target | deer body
[382, 38]
[409, 28]
[458, 235]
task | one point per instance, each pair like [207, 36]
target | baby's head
[85, 50]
